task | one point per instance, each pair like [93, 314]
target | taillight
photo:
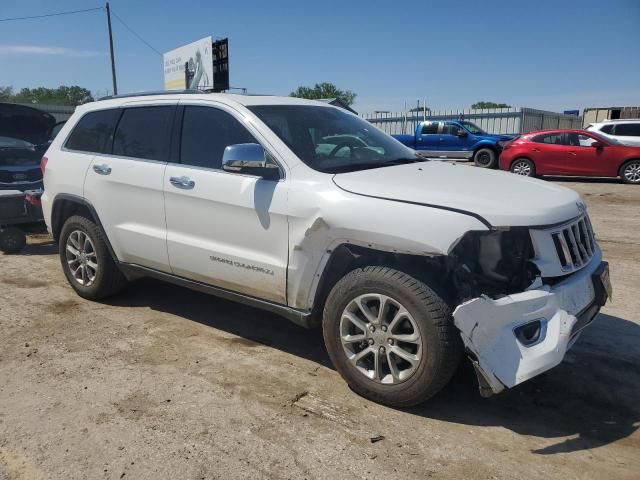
[43, 164]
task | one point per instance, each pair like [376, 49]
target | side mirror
[461, 133]
[248, 158]
[597, 145]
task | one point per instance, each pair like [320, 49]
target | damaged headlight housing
[494, 263]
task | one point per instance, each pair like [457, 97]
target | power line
[133, 32]
[70, 12]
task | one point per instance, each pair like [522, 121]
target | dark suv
[25, 134]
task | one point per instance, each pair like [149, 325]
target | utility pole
[113, 61]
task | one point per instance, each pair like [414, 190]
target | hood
[502, 199]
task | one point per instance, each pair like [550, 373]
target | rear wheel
[86, 260]
[630, 172]
[390, 336]
[12, 240]
[485, 158]
[523, 166]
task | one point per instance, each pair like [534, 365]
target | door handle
[182, 182]
[572, 153]
[103, 169]
[535, 149]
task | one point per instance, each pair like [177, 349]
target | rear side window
[94, 132]
[430, 128]
[628, 129]
[206, 132]
[552, 138]
[143, 132]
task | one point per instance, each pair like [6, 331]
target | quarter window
[206, 132]
[143, 132]
[94, 132]
[607, 128]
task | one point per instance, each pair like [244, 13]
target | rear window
[430, 128]
[143, 132]
[94, 132]
[628, 129]
[552, 138]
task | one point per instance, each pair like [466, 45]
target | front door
[451, 140]
[225, 229]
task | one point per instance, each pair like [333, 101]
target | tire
[524, 167]
[97, 283]
[12, 240]
[485, 158]
[630, 172]
[437, 349]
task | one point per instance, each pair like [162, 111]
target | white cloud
[42, 50]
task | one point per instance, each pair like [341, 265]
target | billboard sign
[199, 58]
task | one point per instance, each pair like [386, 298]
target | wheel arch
[66, 206]
[347, 257]
[521, 157]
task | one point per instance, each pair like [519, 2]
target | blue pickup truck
[456, 139]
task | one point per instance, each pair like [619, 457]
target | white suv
[303, 209]
[625, 131]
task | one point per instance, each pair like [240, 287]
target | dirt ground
[162, 382]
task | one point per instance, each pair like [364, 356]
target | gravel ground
[162, 382]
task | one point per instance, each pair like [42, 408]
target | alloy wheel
[82, 258]
[380, 338]
[632, 172]
[522, 168]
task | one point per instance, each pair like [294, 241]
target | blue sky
[556, 54]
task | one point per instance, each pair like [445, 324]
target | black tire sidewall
[492, 161]
[425, 382]
[12, 240]
[105, 262]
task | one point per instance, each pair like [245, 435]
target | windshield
[332, 141]
[473, 128]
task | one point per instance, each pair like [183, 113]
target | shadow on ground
[593, 397]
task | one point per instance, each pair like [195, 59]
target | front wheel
[523, 166]
[12, 240]
[485, 158]
[390, 336]
[630, 172]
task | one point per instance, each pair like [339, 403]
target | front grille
[575, 244]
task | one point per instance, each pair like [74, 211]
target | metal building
[496, 120]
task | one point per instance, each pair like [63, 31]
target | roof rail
[153, 92]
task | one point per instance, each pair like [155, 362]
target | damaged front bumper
[516, 337]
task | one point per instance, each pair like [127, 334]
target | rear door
[549, 153]
[125, 185]
[223, 228]
[429, 138]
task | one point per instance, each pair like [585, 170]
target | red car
[571, 152]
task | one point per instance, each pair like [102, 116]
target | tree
[6, 94]
[419, 109]
[480, 105]
[324, 90]
[63, 95]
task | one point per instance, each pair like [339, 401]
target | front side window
[332, 141]
[551, 138]
[143, 132]
[473, 128]
[206, 132]
[628, 129]
[94, 131]
[579, 140]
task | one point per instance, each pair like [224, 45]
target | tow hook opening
[531, 333]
